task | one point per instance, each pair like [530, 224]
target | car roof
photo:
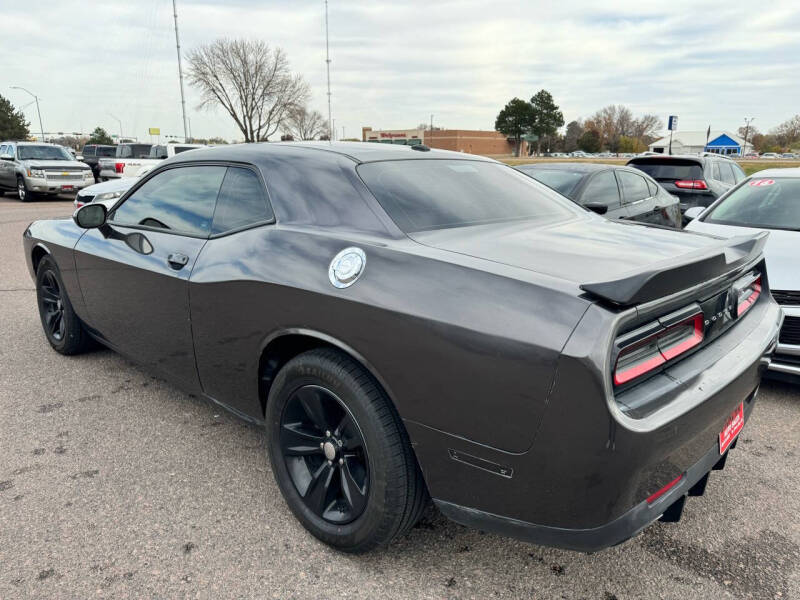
[27, 143]
[778, 173]
[359, 152]
[693, 157]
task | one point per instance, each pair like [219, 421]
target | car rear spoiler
[674, 275]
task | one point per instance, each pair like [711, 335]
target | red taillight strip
[745, 304]
[681, 347]
[635, 371]
[653, 497]
[664, 354]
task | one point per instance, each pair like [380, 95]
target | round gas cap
[346, 267]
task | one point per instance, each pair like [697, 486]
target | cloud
[396, 63]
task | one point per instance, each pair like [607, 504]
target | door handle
[177, 261]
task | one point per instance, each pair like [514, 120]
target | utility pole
[38, 112]
[747, 121]
[120, 126]
[431, 130]
[328, 66]
[180, 70]
[342, 131]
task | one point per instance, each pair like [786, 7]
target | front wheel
[62, 327]
[23, 193]
[340, 453]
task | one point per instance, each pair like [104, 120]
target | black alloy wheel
[62, 327]
[325, 454]
[52, 307]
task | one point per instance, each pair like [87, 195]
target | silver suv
[34, 168]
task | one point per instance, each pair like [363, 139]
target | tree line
[613, 128]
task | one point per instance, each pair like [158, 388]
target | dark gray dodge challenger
[410, 324]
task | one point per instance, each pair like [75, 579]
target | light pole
[120, 126]
[747, 121]
[431, 130]
[36, 98]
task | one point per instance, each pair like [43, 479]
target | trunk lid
[624, 263]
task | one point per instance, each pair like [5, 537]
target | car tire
[23, 193]
[62, 327]
[340, 453]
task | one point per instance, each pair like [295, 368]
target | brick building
[487, 143]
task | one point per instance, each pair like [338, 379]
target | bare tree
[251, 81]
[646, 128]
[304, 124]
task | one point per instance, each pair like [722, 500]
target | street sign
[155, 131]
[672, 123]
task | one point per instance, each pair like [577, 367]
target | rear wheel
[22, 190]
[61, 325]
[340, 453]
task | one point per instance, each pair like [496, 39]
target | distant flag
[708, 134]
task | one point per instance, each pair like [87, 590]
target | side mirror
[90, 216]
[692, 213]
[6, 157]
[597, 207]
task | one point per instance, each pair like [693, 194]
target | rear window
[762, 202]
[106, 151]
[669, 169]
[429, 194]
[562, 181]
[134, 151]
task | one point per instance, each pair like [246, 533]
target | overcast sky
[397, 62]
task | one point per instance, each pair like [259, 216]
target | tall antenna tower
[328, 66]
[180, 71]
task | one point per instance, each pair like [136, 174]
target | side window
[726, 172]
[634, 187]
[88, 151]
[242, 201]
[738, 174]
[3, 149]
[715, 174]
[653, 187]
[602, 187]
[180, 200]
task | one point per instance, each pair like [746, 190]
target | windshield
[761, 202]
[561, 181]
[669, 169]
[420, 195]
[43, 153]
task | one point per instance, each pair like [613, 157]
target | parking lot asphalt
[114, 483]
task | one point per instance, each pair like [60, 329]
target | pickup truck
[131, 158]
[92, 153]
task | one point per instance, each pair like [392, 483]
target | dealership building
[459, 140]
[694, 142]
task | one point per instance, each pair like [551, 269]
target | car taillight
[653, 345]
[691, 184]
[119, 167]
[748, 296]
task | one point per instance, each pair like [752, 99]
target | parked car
[770, 155]
[108, 190]
[789, 155]
[536, 369]
[92, 153]
[751, 155]
[131, 158]
[766, 201]
[695, 180]
[616, 192]
[33, 169]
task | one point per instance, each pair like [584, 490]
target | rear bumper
[584, 482]
[669, 506]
